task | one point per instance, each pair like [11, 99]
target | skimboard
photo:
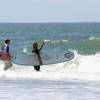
[47, 58]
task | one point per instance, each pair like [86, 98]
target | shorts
[37, 67]
[7, 65]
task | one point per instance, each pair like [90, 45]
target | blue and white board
[47, 58]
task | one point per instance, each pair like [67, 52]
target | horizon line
[52, 22]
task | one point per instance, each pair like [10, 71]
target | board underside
[47, 58]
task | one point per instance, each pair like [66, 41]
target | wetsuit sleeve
[8, 49]
[41, 46]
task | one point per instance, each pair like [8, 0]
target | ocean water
[48, 90]
[77, 79]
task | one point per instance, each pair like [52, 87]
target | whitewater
[85, 67]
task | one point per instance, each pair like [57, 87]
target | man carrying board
[5, 54]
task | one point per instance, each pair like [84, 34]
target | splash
[55, 41]
[94, 38]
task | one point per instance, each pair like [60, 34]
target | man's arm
[41, 46]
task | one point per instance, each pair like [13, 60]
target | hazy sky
[49, 10]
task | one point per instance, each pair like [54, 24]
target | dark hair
[7, 40]
[35, 44]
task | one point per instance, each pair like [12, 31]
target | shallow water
[49, 90]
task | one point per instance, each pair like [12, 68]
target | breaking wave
[85, 67]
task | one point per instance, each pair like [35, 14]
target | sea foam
[85, 67]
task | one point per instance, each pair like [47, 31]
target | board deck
[47, 58]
